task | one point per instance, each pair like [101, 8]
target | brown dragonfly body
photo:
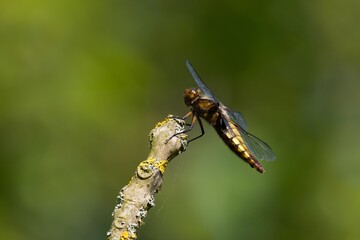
[230, 125]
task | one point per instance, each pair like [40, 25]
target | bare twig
[136, 198]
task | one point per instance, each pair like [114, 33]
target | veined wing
[259, 149]
[238, 118]
[199, 82]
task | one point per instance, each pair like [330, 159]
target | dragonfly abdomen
[236, 144]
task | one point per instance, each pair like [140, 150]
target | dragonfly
[230, 125]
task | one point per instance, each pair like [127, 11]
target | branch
[136, 198]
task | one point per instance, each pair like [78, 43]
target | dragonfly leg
[201, 128]
[186, 130]
[187, 115]
[182, 118]
[190, 127]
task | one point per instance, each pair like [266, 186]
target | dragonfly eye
[190, 96]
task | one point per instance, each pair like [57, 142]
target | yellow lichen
[146, 168]
[145, 164]
[151, 163]
[124, 235]
[127, 236]
[150, 160]
[161, 165]
[162, 123]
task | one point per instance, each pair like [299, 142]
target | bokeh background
[83, 82]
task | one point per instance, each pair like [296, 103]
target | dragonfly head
[191, 95]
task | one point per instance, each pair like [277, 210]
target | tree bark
[138, 196]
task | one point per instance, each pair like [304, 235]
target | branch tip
[136, 198]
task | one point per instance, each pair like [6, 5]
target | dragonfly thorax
[201, 106]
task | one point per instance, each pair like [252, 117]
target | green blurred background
[83, 82]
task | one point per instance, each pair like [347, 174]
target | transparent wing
[199, 82]
[259, 149]
[239, 119]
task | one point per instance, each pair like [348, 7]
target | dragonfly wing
[259, 149]
[233, 116]
[239, 119]
[199, 82]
